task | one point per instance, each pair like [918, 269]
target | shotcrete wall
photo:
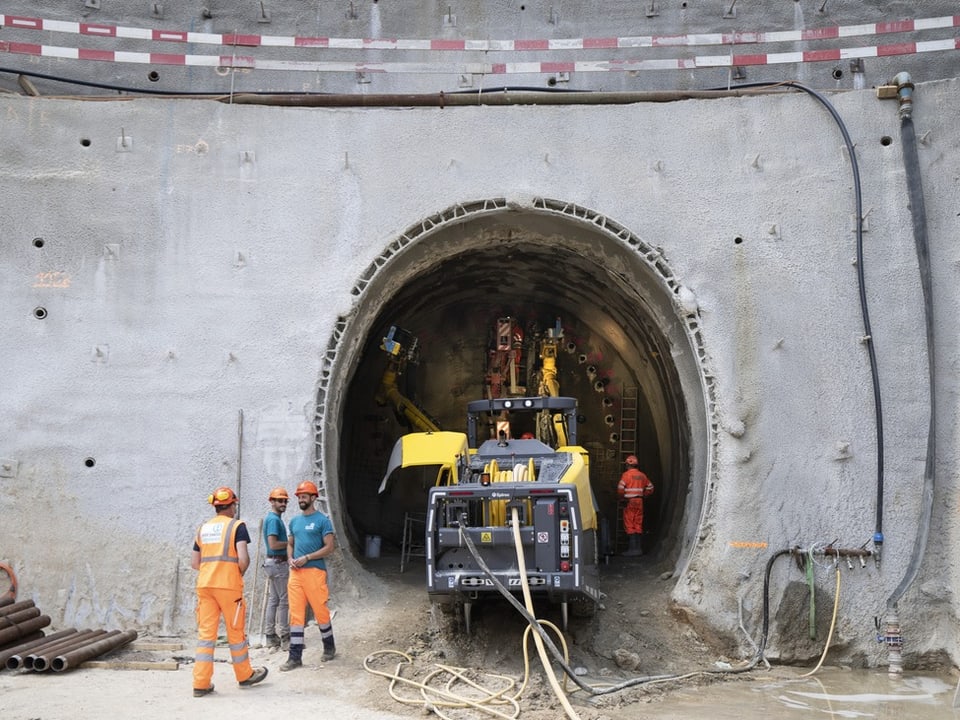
[179, 283]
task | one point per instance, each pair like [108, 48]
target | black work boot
[329, 649]
[294, 660]
[258, 674]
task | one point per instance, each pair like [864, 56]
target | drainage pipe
[22, 629]
[911, 162]
[29, 662]
[37, 641]
[72, 659]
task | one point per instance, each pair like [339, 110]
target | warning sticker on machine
[543, 537]
[486, 537]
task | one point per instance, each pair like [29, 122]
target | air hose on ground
[437, 700]
[528, 604]
[535, 626]
[488, 701]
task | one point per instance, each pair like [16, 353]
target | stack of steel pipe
[20, 620]
[28, 646]
[111, 641]
[40, 658]
[23, 644]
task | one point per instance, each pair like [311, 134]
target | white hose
[528, 602]
[833, 624]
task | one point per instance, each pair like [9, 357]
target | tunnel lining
[338, 361]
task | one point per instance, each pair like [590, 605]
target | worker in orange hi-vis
[221, 557]
[310, 541]
[633, 487]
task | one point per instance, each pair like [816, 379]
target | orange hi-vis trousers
[307, 585]
[633, 517]
[211, 604]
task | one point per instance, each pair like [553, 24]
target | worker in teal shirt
[311, 542]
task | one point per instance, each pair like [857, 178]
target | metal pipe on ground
[15, 618]
[40, 660]
[6, 601]
[27, 661]
[44, 662]
[14, 607]
[21, 630]
[76, 657]
[17, 660]
[38, 635]
[28, 645]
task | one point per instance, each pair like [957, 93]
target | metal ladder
[629, 399]
[414, 538]
[628, 422]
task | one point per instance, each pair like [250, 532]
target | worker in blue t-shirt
[311, 540]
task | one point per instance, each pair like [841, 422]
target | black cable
[101, 86]
[149, 91]
[558, 656]
[861, 282]
[766, 603]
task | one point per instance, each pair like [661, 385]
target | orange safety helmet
[222, 496]
[306, 487]
[631, 461]
[278, 493]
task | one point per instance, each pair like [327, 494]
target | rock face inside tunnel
[548, 269]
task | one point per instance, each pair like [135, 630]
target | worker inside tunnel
[512, 304]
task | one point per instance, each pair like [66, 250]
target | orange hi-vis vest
[219, 563]
[634, 485]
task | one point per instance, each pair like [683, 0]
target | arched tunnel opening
[625, 355]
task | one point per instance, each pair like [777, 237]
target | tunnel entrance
[628, 354]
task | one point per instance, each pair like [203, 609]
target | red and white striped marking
[600, 43]
[467, 68]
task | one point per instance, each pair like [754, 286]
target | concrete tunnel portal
[446, 282]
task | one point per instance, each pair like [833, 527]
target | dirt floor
[634, 634]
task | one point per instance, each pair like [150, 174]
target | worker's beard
[304, 504]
